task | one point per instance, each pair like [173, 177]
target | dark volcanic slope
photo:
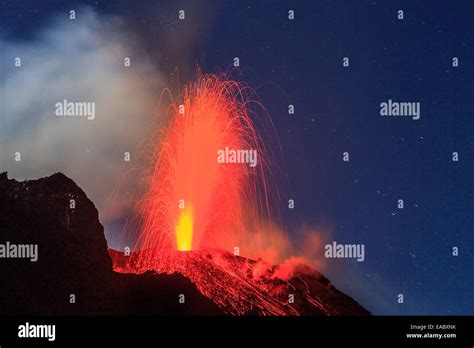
[73, 259]
[241, 286]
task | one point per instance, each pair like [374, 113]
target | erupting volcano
[203, 190]
[208, 193]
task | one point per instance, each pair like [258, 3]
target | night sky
[300, 62]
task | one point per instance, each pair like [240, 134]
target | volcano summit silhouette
[74, 274]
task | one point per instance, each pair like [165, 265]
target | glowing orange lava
[196, 200]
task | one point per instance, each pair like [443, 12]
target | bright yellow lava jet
[184, 230]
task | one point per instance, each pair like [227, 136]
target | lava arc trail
[203, 189]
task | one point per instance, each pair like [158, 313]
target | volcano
[197, 207]
[240, 286]
[73, 258]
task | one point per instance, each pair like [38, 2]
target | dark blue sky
[299, 62]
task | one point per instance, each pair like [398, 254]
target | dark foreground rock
[73, 259]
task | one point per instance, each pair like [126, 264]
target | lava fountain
[209, 190]
[203, 192]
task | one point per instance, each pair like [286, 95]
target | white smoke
[80, 60]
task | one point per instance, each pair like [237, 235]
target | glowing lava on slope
[240, 286]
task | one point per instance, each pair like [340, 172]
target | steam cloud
[273, 247]
[78, 60]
